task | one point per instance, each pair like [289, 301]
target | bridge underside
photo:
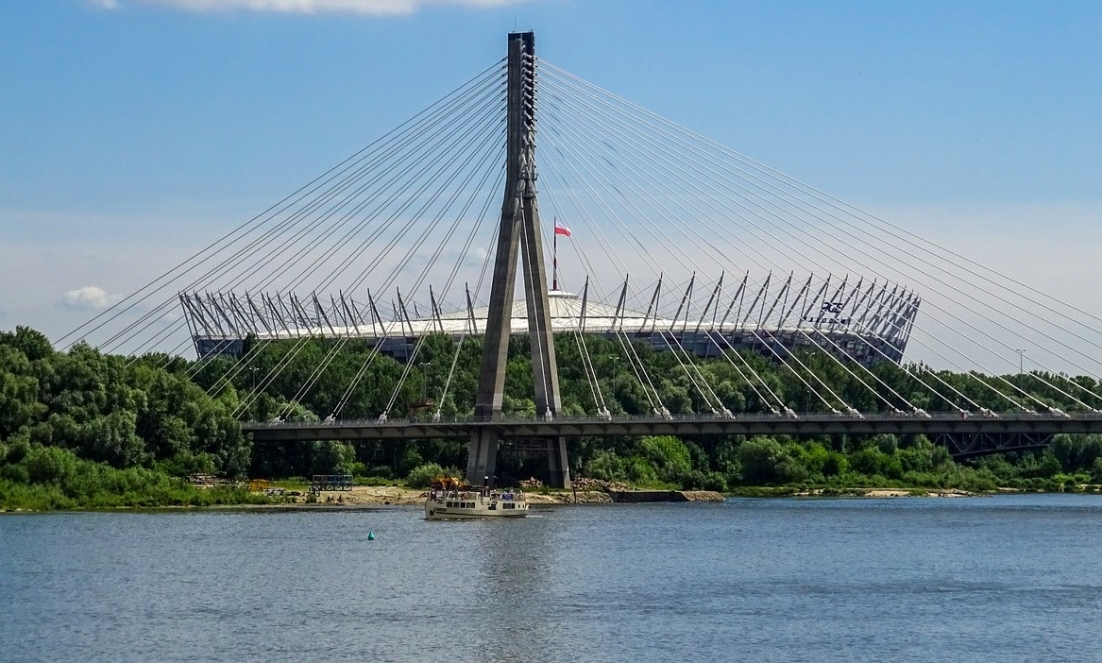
[972, 445]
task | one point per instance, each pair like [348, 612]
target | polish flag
[560, 229]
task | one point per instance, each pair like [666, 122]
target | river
[1006, 578]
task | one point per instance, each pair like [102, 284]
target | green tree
[759, 458]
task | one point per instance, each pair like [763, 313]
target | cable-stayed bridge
[670, 243]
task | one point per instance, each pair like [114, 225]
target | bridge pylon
[518, 237]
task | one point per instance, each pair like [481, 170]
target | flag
[560, 229]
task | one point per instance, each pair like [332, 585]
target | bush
[715, 481]
[332, 458]
[886, 443]
[17, 450]
[668, 455]
[693, 480]
[835, 465]
[791, 471]
[185, 463]
[1096, 471]
[48, 478]
[381, 472]
[870, 461]
[606, 466]
[423, 475]
[641, 471]
[759, 458]
[49, 464]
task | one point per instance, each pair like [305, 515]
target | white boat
[451, 502]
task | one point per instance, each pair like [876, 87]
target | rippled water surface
[1009, 578]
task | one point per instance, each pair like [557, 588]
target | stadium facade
[867, 323]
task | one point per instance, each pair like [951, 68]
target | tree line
[71, 421]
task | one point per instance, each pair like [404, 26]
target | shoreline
[373, 498]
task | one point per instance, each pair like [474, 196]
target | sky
[133, 132]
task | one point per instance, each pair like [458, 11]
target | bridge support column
[518, 237]
[558, 466]
[482, 458]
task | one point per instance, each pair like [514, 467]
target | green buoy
[371, 536]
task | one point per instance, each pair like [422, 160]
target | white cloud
[89, 297]
[364, 7]
[476, 257]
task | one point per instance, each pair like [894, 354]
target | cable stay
[233, 244]
[654, 200]
[1092, 394]
[591, 142]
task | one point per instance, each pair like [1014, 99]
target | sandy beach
[398, 496]
[394, 495]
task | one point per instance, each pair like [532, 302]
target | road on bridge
[801, 426]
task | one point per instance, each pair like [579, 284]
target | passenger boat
[448, 499]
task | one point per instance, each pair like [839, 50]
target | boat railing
[503, 496]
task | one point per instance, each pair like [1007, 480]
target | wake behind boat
[450, 500]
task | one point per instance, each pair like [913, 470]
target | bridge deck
[803, 425]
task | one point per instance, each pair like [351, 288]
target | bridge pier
[558, 466]
[518, 238]
[482, 456]
[485, 445]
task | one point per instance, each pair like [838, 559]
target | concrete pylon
[518, 237]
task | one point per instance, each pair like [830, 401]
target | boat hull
[474, 507]
[469, 514]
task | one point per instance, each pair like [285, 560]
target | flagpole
[555, 256]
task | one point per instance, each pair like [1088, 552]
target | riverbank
[856, 491]
[398, 496]
[889, 492]
[384, 496]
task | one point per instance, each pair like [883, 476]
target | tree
[759, 458]
[668, 455]
[112, 439]
[332, 458]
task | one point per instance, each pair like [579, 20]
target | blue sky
[134, 130]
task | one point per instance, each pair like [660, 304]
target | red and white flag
[560, 229]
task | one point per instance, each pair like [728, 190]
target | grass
[40, 497]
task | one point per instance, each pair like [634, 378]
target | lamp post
[1021, 360]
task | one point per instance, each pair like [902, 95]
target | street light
[1021, 360]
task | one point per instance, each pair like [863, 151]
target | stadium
[865, 322]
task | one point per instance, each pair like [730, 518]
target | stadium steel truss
[866, 322]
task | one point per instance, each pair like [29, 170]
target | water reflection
[516, 560]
